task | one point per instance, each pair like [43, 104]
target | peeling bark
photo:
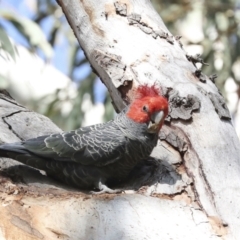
[220, 106]
[182, 107]
[192, 180]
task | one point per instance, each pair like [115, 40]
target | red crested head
[147, 91]
[149, 107]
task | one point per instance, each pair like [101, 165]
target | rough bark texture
[195, 185]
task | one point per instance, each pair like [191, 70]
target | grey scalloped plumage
[88, 156]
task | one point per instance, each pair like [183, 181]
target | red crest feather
[150, 91]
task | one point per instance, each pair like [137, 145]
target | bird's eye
[145, 108]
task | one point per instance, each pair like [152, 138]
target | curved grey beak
[156, 119]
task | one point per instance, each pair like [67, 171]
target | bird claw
[104, 189]
[111, 191]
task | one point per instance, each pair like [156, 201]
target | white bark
[197, 196]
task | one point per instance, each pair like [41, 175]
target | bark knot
[182, 107]
[121, 8]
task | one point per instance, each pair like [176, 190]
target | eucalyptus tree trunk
[193, 185]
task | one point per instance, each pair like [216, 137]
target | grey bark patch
[213, 77]
[198, 73]
[121, 8]
[177, 38]
[145, 29]
[170, 39]
[30, 124]
[201, 90]
[173, 139]
[202, 77]
[112, 64]
[165, 151]
[164, 35]
[6, 94]
[4, 119]
[182, 107]
[6, 97]
[161, 34]
[196, 59]
[25, 226]
[220, 106]
[134, 18]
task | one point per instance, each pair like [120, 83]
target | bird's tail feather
[6, 149]
[17, 152]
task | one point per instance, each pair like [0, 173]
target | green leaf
[3, 82]
[31, 31]
[6, 44]
[222, 21]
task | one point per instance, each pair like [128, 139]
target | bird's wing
[99, 145]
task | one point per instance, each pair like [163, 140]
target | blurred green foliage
[6, 44]
[221, 44]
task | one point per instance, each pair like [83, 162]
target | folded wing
[98, 145]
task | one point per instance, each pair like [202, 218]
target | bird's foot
[104, 189]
